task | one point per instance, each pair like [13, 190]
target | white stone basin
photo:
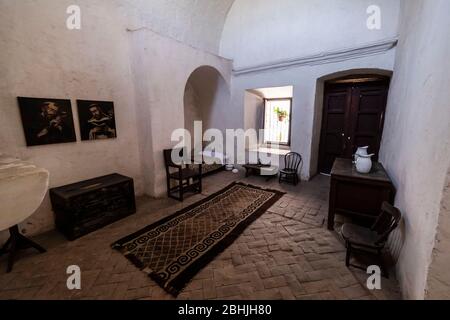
[5, 159]
[15, 169]
[22, 190]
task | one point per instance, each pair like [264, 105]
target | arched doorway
[349, 112]
[206, 97]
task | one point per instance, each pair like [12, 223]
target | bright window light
[277, 121]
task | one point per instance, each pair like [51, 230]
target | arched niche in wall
[342, 76]
[206, 98]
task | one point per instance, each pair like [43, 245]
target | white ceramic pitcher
[362, 151]
[364, 163]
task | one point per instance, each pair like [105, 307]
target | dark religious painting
[97, 120]
[46, 121]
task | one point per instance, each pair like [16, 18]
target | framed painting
[97, 120]
[46, 121]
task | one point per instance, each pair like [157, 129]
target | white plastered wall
[260, 31]
[415, 147]
[161, 68]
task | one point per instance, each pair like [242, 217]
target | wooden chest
[86, 206]
[358, 196]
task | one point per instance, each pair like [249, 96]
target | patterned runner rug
[174, 249]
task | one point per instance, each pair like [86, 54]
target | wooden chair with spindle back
[292, 162]
[371, 240]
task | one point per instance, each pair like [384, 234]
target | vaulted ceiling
[195, 22]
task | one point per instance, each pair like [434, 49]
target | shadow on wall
[318, 107]
[396, 241]
[438, 286]
[206, 99]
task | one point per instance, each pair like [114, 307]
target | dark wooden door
[353, 117]
[334, 127]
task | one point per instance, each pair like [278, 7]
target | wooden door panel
[333, 126]
[336, 123]
[337, 102]
[368, 108]
[333, 144]
[370, 100]
[368, 123]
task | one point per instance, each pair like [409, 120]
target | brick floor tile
[209, 289]
[345, 281]
[139, 293]
[316, 286]
[263, 270]
[256, 282]
[295, 286]
[257, 244]
[280, 270]
[355, 291]
[286, 293]
[227, 291]
[274, 282]
[310, 297]
[237, 259]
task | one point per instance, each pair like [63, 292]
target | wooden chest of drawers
[358, 196]
[86, 206]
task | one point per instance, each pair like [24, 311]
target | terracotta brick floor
[286, 254]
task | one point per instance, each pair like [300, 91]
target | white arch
[206, 97]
